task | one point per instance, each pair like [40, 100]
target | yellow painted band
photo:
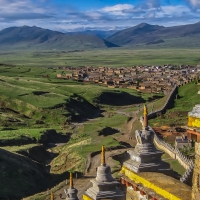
[85, 197]
[138, 179]
[193, 122]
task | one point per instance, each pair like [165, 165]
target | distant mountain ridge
[35, 37]
[144, 34]
[149, 34]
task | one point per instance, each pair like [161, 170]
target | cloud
[127, 15]
[21, 10]
[149, 4]
[195, 4]
[118, 7]
[50, 14]
[22, 16]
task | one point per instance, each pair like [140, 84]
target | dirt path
[82, 184]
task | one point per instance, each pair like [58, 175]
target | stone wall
[173, 152]
[187, 163]
[169, 101]
[160, 144]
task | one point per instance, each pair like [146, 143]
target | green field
[112, 57]
[30, 104]
[187, 98]
[174, 164]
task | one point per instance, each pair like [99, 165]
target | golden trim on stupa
[145, 113]
[103, 162]
[145, 110]
[52, 196]
[71, 180]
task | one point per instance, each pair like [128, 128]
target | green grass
[31, 133]
[18, 85]
[18, 101]
[174, 164]
[113, 120]
[188, 98]
[19, 148]
[114, 57]
[96, 145]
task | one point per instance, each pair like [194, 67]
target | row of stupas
[144, 174]
[104, 185]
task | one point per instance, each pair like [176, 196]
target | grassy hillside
[188, 97]
[29, 101]
[31, 104]
[38, 38]
[146, 34]
[17, 176]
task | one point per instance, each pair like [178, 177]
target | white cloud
[94, 14]
[195, 2]
[178, 10]
[20, 6]
[39, 13]
[118, 7]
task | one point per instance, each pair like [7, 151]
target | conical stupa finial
[52, 196]
[145, 110]
[145, 124]
[103, 162]
[71, 180]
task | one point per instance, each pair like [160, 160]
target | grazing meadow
[111, 57]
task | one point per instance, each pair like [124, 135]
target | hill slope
[154, 34]
[99, 33]
[19, 174]
[38, 38]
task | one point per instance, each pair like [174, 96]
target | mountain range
[146, 34]
[38, 38]
[142, 35]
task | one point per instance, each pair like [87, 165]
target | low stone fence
[173, 152]
[162, 145]
[187, 176]
[187, 163]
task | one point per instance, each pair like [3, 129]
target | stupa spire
[145, 157]
[145, 123]
[72, 192]
[103, 162]
[104, 185]
[52, 196]
[71, 181]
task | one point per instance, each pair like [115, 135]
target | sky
[79, 15]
